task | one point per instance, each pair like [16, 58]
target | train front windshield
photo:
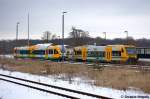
[131, 50]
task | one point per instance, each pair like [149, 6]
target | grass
[119, 78]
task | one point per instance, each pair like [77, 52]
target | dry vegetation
[120, 78]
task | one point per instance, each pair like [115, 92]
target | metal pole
[47, 37]
[17, 31]
[63, 50]
[28, 31]
[59, 40]
[126, 35]
[105, 35]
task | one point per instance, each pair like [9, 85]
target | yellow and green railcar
[109, 53]
[41, 51]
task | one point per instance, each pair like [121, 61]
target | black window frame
[38, 52]
[50, 51]
[116, 53]
[23, 51]
[78, 52]
[56, 51]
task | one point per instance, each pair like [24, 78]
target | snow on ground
[144, 59]
[21, 92]
[7, 56]
[13, 91]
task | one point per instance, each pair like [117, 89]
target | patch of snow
[7, 56]
[85, 87]
[144, 59]
[13, 91]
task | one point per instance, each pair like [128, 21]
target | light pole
[59, 40]
[126, 35]
[47, 36]
[104, 34]
[17, 30]
[28, 31]
[63, 50]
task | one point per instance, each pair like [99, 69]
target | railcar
[41, 51]
[109, 53]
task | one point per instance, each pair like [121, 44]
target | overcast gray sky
[95, 16]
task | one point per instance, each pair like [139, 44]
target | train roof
[37, 46]
[91, 47]
[22, 48]
[95, 48]
[143, 47]
[121, 45]
[41, 46]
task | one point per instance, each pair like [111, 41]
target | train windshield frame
[131, 50]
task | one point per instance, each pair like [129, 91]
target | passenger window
[116, 53]
[50, 51]
[78, 52]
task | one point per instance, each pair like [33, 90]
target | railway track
[34, 84]
[139, 65]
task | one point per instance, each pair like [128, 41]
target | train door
[108, 54]
[84, 54]
[46, 54]
[56, 53]
[124, 55]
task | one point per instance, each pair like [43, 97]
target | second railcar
[109, 53]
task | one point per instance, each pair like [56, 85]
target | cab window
[55, 51]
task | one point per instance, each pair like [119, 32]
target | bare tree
[79, 36]
[47, 35]
[78, 33]
[54, 36]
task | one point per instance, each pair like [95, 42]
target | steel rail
[40, 89]
[57, 87]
